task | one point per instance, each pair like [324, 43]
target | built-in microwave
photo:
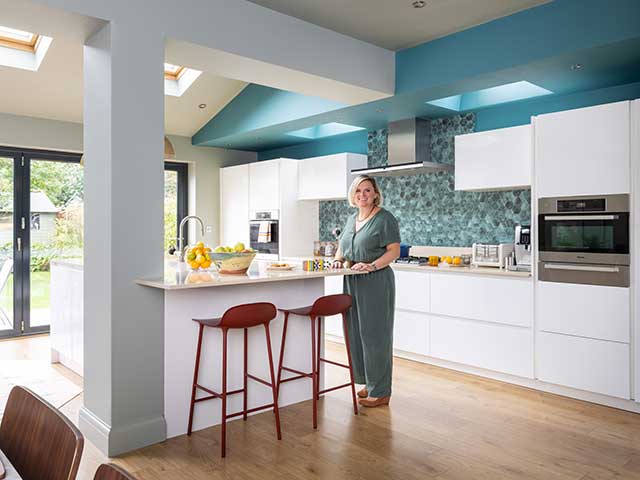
[584, 239]
[264, 231]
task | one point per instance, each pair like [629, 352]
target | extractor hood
[409, 151]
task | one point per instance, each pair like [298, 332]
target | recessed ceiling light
[576, 66]
[202, 105]
[418, 3]
[380, 110]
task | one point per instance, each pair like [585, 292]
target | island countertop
[180, 277]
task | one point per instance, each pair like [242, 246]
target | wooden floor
[441, 424]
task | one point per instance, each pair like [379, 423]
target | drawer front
[412, 291]
[502, 348]
[584, 363]
[498, 300]
[583, 310]
[411, 332]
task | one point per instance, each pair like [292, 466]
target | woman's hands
[364, 267]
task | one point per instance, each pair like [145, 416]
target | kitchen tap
[181, 236]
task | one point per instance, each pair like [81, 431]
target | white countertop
[494, 272]
[181, 277]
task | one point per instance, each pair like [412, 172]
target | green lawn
[39, 292]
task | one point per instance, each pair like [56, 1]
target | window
[173, 72]
[18, 39]
[177, 79]
[175, 201]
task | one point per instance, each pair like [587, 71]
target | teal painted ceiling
[565, 47]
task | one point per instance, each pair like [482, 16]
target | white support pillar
[123, 323]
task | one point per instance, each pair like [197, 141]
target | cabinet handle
[581, 217]
[581, 268]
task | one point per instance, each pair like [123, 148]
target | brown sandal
[374, 402]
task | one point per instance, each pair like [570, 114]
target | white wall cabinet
[264, 185]
[328, 177]
[583, 151]
[494, 160]
[234, 205]
[584, 363]
[583, 310]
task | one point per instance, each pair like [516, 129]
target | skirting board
[114, 441]
[622, 404]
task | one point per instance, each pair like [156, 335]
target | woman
[370, 242]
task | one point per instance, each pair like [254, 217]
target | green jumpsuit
[370, 319]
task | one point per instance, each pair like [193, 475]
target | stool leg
[314, 373]
[224, 394]
[195, 379]
[273, 381]
[280, 360]
[244, 400]
[346, 342]
[318, 353]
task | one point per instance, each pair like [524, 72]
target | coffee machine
[523, 248]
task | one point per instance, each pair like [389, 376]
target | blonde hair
[356, 183]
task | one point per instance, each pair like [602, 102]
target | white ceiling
[55, 90]
[395, 24]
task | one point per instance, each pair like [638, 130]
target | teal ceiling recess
[491, 96]
[325, 130]
[468, 71]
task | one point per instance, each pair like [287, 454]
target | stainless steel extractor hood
[409, 151]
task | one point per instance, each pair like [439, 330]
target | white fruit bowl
[232, 263]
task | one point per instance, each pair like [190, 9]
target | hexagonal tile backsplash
[429, 210]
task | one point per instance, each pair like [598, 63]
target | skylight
[324, 130]
[19, 39]
[20, 49]
[509, 92]
[177, 79]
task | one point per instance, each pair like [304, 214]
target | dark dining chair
[109, 471]
[39, 441]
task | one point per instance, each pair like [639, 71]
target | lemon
[239, 247]
[220, 249]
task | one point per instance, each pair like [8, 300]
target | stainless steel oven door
[590, 274]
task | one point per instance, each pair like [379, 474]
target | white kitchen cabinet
[498, 300]
[412, 291]
[234, 205]
[502, 348]
[264, 185]
[494, 160]
[333, 324]
[583, 310]
[328, 177]
[584, 363]
[583, 151]
[411, 332]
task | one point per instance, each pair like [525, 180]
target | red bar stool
[322, 307]
[245, 317]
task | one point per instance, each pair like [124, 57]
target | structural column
[123, 322]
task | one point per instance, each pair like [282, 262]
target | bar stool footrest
[337, 364]
[250, 410]
[327, 390]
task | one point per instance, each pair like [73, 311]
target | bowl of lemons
[234, 260]
[198, 257]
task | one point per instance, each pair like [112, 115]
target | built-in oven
[584, 240]
[264, 233]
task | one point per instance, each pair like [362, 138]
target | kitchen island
[191, 295]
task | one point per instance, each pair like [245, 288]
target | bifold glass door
[41, 231]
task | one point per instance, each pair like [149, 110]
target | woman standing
[370, 242]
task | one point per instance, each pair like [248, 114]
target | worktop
[494, 272]
[180, 277]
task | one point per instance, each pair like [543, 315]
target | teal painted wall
[355, 142]
[550, 30]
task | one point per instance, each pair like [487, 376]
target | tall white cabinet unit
[494, 160]
[234, 205]
[268, 185]
[583, 332]
[583, 151]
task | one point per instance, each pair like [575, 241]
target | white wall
[29, 132]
